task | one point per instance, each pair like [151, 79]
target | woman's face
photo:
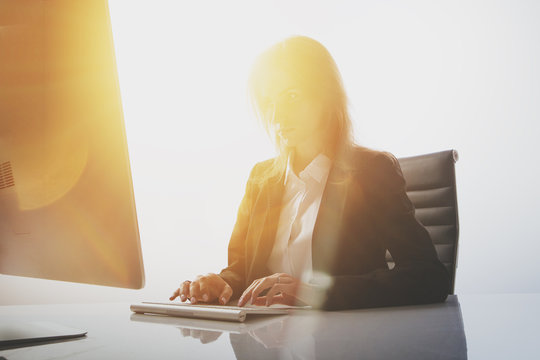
[296, 115]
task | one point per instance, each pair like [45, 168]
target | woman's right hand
[205, 288]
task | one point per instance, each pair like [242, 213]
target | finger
[285, 279]
[286, 299]
[184, 291]
[226, 294]
[194, 292]
[204, 289]
[278, 289]
[263, 285]
[276, 299]
[261, 301]
[246, 295]
[175, 294]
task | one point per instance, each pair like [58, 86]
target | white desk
[493, 327]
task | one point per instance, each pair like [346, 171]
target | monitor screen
[67, 209]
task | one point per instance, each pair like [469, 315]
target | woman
[316, 221]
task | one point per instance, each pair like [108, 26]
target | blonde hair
[312, 67]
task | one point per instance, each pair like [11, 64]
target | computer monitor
[67, 209]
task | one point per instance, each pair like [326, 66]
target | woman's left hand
[283, 289]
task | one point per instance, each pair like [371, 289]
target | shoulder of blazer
[258, 170]
[255, 185]
[379, 171]
[366, 159]
[262, 166]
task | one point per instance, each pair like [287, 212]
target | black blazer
[364, 211]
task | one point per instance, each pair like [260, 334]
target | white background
[422, 76]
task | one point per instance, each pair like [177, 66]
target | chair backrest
[431, 186]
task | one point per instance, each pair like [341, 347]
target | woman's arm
[234, 273]
[418, 276]
[231, 281]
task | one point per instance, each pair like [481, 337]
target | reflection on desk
[426, 332]
[410, 332]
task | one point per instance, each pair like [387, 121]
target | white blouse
[302, 196]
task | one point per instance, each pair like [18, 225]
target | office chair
[431, 186]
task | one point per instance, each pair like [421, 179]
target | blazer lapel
[328, 225]
[271, 200]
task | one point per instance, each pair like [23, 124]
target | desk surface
[498, 326]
